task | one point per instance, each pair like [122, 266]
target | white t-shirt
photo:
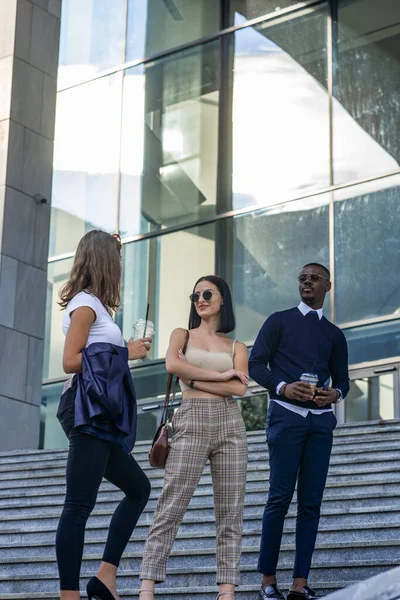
[103, 328]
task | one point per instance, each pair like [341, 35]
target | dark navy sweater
[289, 344]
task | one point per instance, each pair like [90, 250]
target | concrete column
[29, 39]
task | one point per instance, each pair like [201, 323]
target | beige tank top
[211, 361]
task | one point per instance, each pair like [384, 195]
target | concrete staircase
[359, 530]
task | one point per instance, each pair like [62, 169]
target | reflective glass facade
[244, 138]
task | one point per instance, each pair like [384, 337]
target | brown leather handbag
[159, 449]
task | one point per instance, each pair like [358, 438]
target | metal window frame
[331, 225]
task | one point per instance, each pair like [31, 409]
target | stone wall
[29, 38]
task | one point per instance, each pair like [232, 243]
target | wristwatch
[339, 396]
[282, 390]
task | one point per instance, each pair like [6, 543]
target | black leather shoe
[96, 590]
[305, 594]
[271, 591]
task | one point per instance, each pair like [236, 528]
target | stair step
[244, 592]
[342, 444]
[53, 478]
[254, 506]
[358, 534]
[340, 455]
[256, 473]
[256, 493]
[205, 575]
[343, 431]
[331, 520]
[329, 554]
[361, 533]
[384, 586]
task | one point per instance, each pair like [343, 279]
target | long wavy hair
[97, 269]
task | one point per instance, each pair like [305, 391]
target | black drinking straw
[147, 316]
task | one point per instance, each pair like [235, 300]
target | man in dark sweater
[300, 421]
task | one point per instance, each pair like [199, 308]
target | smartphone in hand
[325, 386]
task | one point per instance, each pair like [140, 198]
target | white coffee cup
[311, 379]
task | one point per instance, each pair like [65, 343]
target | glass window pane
[367, 250]
[86, 162]
[149, 275]
[52, 434]
[266, 252]
[92, 39]
[148, 421]
[170, 141]
[369, 343]
[57, 275]
[244, 10]
[150, 378]
[370, 398]
[280, 109]
[158, 25]
[366, 122]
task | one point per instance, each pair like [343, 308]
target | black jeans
[89, 460]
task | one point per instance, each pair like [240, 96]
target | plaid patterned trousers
[204, 428]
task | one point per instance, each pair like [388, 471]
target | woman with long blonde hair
[104, 427]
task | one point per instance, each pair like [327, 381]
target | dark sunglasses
[311, 276]
[195, 297]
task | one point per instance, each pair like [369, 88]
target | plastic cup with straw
[143, 327]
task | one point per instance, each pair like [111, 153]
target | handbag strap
[168, 401]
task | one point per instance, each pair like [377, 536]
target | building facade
[29, 37]
[240, 137]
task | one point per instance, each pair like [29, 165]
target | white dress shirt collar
[305, 309]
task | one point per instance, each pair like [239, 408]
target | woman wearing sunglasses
[208, 426]
[99, 441]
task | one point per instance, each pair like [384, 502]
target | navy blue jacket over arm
[105, 401]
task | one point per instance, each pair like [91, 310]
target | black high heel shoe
[96, 590]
